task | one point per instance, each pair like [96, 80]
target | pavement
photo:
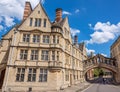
[102, 88]
[76, 88]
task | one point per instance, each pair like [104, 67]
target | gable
[66, 24]
[37, 13]
[66, 27]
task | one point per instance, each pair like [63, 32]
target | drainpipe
[10, 58]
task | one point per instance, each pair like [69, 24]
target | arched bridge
[101, 62]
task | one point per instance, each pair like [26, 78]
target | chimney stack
[27, 10]
[58, 14]
[91, 54]
[75, 39]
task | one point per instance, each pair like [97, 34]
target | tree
[98, 72]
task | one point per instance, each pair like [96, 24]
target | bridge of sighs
[100, 61]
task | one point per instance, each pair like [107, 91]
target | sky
[95, 22]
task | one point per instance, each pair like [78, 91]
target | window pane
[17, 77]
[36, 22]
[20, 74]
[22, 77]
[45, 71]
[34, 70]
[19, 69]
[43, 75]
[41, 70]
[30, 70]
[26, 37]
[45, 78]
[40, 78]
[23, 70]
[45, 39]
[45, 22]
[29, 77]
[39, 22]
[31, 19]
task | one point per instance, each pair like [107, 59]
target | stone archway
[114, 71]
[2, 75]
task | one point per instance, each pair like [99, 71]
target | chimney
[75, 39]
[27, 10]
[58, 14]
[91, 54]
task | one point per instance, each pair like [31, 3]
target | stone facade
[115, 53]
[39, 55]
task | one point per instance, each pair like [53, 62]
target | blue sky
[96, 22]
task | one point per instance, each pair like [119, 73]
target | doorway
[2, 78]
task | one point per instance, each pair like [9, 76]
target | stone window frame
[23, 54]
[45, 55]
[57, 39]
[34, 54]
[45, 23]
[20, 75]
[57, 55]
[54, 39]
[36, 38]
[53, 55]
[26, 37]
[43, 75]
[38, 22]
[31, 21]
[32, 74]
[46, 38]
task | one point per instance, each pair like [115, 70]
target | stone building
[39, 55]
[115, 53]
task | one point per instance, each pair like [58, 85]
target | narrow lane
[102, 88]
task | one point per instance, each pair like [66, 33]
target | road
[102, 87]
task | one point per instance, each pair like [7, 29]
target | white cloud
[1, 19]
[66, 13]
[89, 51]
[103, 32]
[77, 11]
[1, 27]
[74, 31]
[11, 9]
[9, 21]
[104, 54]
